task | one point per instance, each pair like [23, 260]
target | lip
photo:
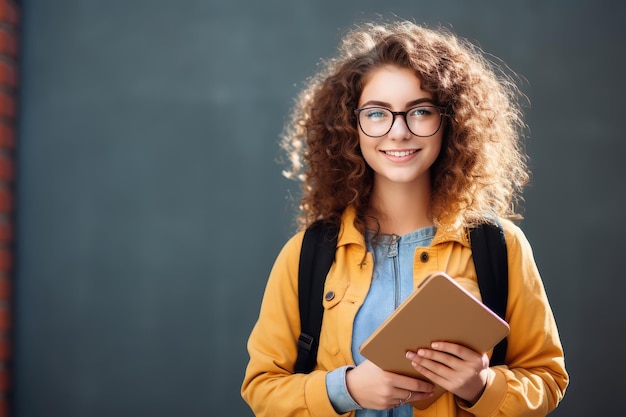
[400, 155]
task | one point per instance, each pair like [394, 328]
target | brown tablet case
[438, 310]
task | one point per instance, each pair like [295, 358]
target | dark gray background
[151, 207]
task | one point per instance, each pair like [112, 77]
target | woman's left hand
[455, 368]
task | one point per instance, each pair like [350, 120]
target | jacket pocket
[334, 295]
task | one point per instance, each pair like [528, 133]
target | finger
[399, 397]
[431, 369]
[429, 364]
[416, 396]
[446, 359]
[406, 399]
[413, 384]
[452, 364]
[457, 350]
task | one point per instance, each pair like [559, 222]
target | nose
[399, 129]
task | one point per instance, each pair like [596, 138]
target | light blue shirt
[392, 283]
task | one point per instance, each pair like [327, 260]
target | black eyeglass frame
[403, 114]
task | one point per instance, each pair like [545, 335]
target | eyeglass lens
[421, 121]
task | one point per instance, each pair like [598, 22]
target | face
[398, 156]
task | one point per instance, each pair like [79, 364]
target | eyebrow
[409, 104]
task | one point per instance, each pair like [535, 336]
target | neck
[401, 208]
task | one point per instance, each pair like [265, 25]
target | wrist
[470, 402]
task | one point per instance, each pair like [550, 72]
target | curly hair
[481, 169]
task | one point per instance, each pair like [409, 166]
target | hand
[455, 368]
[373, 388]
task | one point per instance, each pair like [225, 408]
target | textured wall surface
[150, 206]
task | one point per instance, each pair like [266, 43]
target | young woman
[405, 140]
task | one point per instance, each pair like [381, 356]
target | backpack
[318, 253]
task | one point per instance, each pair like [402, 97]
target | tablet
[438, 310]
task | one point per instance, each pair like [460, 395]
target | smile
[400, 153]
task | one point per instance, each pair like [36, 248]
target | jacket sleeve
[534, 379]
[270, 387]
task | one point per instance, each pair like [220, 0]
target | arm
[535, 379]
[270, 388]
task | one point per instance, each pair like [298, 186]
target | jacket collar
[349, 234]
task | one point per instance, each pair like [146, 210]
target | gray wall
[150, 206]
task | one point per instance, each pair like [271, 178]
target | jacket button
[329, 295]
[424, 257]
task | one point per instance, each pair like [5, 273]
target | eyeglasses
[422, 121]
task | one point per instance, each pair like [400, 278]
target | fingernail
[410, 355]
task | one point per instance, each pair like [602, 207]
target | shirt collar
[349, 234]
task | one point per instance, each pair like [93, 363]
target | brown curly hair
[481, 169]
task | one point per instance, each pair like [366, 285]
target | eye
[375, 114]
[422, 111]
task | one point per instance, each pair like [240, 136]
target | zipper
[393, 253]
[397, 293]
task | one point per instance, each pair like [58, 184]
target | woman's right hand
[373, 388]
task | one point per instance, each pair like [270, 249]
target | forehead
[394, 85]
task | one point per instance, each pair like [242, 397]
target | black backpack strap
[490, 259]
[316, 257]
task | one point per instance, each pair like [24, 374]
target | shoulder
[291, 249]
[521, 259]
[515, 237]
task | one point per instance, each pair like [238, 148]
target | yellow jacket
[531, 385]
